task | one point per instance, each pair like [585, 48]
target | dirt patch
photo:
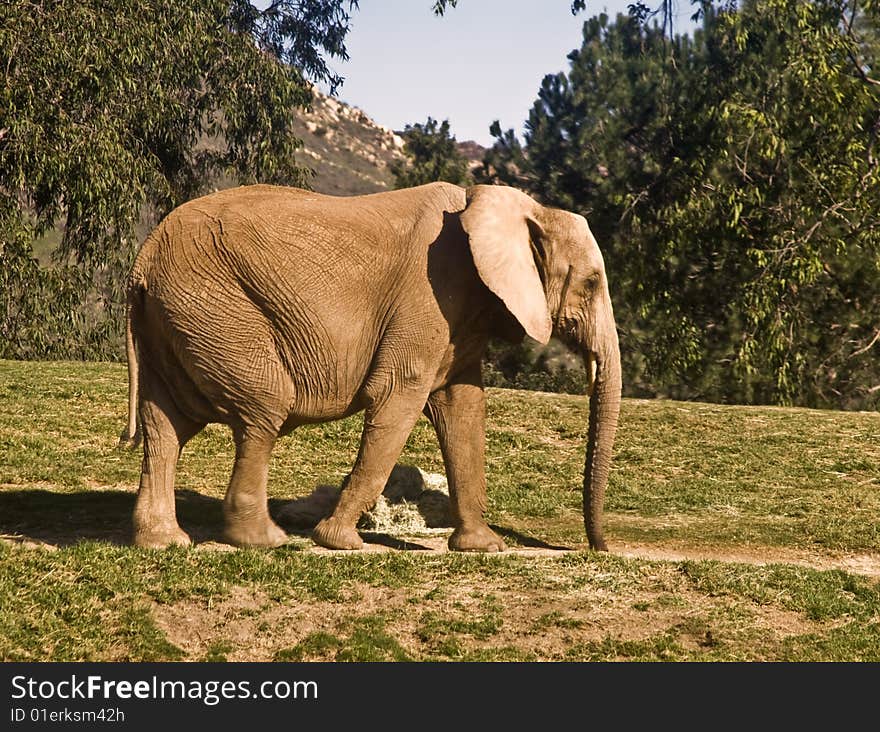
[549, 629]
[464, 619]
[856, 563]
[248, 625]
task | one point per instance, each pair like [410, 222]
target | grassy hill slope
[755, 502]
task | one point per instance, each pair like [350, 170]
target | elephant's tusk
[592, 368]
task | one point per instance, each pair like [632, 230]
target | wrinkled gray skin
[266, 308]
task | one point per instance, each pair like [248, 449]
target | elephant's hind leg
[166, 431]
[245, 508]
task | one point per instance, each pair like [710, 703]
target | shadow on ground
[518, 539]
[63, 519]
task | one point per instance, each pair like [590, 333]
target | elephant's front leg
[458, 413]
[386, 427]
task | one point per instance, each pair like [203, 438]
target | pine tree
[733, 181]
[431, 155]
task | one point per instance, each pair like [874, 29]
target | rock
[433, 505]
[349, 153]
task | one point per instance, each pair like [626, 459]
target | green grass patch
[768, 479]
[97, 602]
[682, 472]
[362, 640]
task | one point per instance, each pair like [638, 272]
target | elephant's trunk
[604, 411]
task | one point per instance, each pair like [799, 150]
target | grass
[688, 476]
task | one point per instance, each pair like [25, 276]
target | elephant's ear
[496, 220]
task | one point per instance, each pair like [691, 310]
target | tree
[110, 110]
[733, 181]
[431, 155]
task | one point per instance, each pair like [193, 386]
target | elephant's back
[277, 240]
[387, 218]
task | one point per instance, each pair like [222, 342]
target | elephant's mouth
[572, 331]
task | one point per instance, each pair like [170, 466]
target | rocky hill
[349, 152]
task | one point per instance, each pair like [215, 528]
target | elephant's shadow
[64, 519]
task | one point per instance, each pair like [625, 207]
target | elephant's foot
[161, 537]
[334, 534]
[254, 533]
[479, 538]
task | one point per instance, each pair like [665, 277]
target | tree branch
[847, 23]
[868, 347]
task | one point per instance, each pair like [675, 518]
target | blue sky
[483, 60]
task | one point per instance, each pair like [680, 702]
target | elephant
[269, 307]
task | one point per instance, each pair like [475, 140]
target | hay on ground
[413, 502]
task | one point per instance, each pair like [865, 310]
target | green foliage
[527, 365]
[111, 114]
[432, 155]
[732, 180]
[440, 6]
[40, 306]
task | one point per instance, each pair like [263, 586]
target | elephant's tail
[131, 435]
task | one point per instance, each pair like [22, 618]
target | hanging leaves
[112, 113]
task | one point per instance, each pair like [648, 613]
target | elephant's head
[545, 266]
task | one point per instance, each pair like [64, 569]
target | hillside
[349, 152]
